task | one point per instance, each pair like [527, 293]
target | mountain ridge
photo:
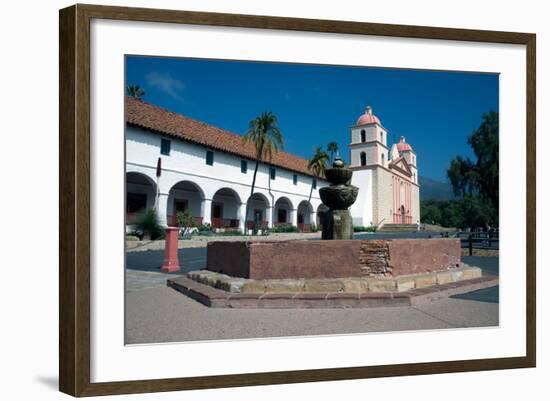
[431, 189]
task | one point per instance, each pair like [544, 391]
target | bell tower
[368, 145]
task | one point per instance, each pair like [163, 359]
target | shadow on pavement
[151, 261]
[195, 259]
[485, 295]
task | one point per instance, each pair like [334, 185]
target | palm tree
[266, 137]
[135, 91]
[317, 165]
[332, 147]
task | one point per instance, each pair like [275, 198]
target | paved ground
[156, 313]
[201, 241]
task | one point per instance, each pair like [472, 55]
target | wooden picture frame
[75, 207]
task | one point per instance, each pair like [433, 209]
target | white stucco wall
[383, 197]
[373, 132]
[187, 162]
[356, 151]
[361, 210]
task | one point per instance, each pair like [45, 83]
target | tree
[332, 147]
[470, 178]
[430, 212]
[469, 212]
[267, 139]
[135, 91]
[463, 177]
[317, 165]
[484, 143]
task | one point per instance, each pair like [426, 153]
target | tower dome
[403, 146]
[368, 118]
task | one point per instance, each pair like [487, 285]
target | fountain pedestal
[337, 224]
[338, 197]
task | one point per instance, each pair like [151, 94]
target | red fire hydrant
[171, 261]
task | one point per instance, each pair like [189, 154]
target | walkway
[156, 313]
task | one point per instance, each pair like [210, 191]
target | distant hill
[434, 190]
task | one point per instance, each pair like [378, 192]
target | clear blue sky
[316, 104]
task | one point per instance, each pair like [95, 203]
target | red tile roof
[159, 120]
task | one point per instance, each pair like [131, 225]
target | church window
[295, 179]
[363, 135]
[383, 157]
[209, 157]
[382, 136]
[314, 183]
[244, 166]
[363, 159]
[165, 146]
[272, 173]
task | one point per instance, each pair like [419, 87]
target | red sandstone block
[276, 303]
[243, 303]
[331, 259]
[219, 303]
[311, 296]
[342, 303]
[342, 295]
[281, 295]
[240, 296]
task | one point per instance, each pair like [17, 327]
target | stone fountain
[338, 197]
[331, 274]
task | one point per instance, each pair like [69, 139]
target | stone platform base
[334, 285]
[217, 298]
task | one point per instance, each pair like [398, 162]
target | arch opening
[185, 195]
[257, 210]
[141, 194]
[363, 159]
[283, 211]
[305, 218]
[224, 213]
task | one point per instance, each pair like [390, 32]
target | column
[162, 208]
[313, 219]
[269, 211]
[206, 211]
[242, 217]
[294, 217]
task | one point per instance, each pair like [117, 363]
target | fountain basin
[339, 197]
[338, 176]
[332, 259]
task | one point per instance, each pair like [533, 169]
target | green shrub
[132, 238]
[313, 228]
[186, 221]
[148, 223]
[230, 233]
[205, 229]
[285, 228]
[368, 229]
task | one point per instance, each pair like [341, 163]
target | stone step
[398, 227]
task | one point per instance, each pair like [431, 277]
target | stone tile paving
[160, 314]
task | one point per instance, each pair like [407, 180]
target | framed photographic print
[250, 200]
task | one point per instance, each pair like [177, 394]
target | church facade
[175, 163]
[387, 177]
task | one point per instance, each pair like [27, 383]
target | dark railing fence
[224, 223]
[487, 240]
[262, 224]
